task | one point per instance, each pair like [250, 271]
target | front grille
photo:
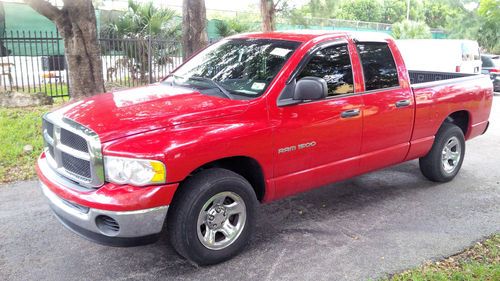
[76, 166]
[73, 151]
[48, 127]
[74, 141]
[51, 150]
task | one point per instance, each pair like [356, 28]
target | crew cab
[250, 119]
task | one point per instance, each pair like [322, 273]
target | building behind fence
[35, 62]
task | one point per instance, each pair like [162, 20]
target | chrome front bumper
[134, 227]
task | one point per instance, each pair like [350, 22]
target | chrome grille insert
[50, 149]
[73, 150]
[76, 166]
[49, 128]
[74, 141]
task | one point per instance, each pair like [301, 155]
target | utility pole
[408, 10]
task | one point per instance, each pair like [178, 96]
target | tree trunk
[267, 11]
[76, 22]
[194, 34]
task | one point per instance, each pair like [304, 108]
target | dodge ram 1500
[250, 119]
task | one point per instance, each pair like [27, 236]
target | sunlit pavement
[362, 228]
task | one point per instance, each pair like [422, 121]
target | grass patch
[479, 262]
[52, 89]
[20, 127]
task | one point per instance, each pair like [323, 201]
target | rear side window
[379, 68]
[334, 65]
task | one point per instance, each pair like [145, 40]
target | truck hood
[124, 113]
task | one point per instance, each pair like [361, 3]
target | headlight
[132, 171]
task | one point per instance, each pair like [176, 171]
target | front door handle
[403, 103]
[350, 113]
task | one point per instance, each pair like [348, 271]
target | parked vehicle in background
[252, 118]
[491, 67]
[444, 55]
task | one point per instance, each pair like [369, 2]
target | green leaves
[481, 24]
[144, 19]
[408, 29]
[230, 27]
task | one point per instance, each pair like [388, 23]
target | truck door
[316, 142]
[388, 107]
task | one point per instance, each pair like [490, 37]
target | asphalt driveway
[360, 229]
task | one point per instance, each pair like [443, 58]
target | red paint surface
[114, 197]
[186, 129]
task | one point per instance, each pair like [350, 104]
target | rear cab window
[379, 68]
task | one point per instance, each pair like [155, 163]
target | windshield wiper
[211, 81]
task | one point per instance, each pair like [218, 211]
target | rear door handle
[403, 103]
[350, 113]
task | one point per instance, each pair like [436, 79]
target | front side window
[235, 68]
[379, 68]
[334, 65]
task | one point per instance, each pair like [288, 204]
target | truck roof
[305, 35]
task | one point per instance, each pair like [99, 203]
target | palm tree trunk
[267, 12]
[194, 34]
[76, 22]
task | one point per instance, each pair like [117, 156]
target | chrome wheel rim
[451, 154]
[221, 220]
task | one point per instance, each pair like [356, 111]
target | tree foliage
[489, 14]
[145, 19]
[394, 11]
[481, 24]
[408, 29]
[231, 26]
[140, 21]
[362, 10]
[458, 18]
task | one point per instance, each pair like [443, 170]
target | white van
[444, 55]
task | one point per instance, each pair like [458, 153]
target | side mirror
[310, 88]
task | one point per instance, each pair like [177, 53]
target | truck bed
[439, 93]
[420, 76]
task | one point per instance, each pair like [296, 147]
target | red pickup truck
[250, 119]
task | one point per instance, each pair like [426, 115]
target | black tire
[194, 193]
[432, 165]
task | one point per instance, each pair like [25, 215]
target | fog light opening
[107, 225]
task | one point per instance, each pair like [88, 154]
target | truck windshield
[234, 68]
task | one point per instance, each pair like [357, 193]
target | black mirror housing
[310, 88]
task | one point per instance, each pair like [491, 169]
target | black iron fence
[138, 61]
[34, 62]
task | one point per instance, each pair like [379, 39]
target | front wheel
[212, 217]
[445, 159]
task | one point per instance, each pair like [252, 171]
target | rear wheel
[445, 159]
[212, 217]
